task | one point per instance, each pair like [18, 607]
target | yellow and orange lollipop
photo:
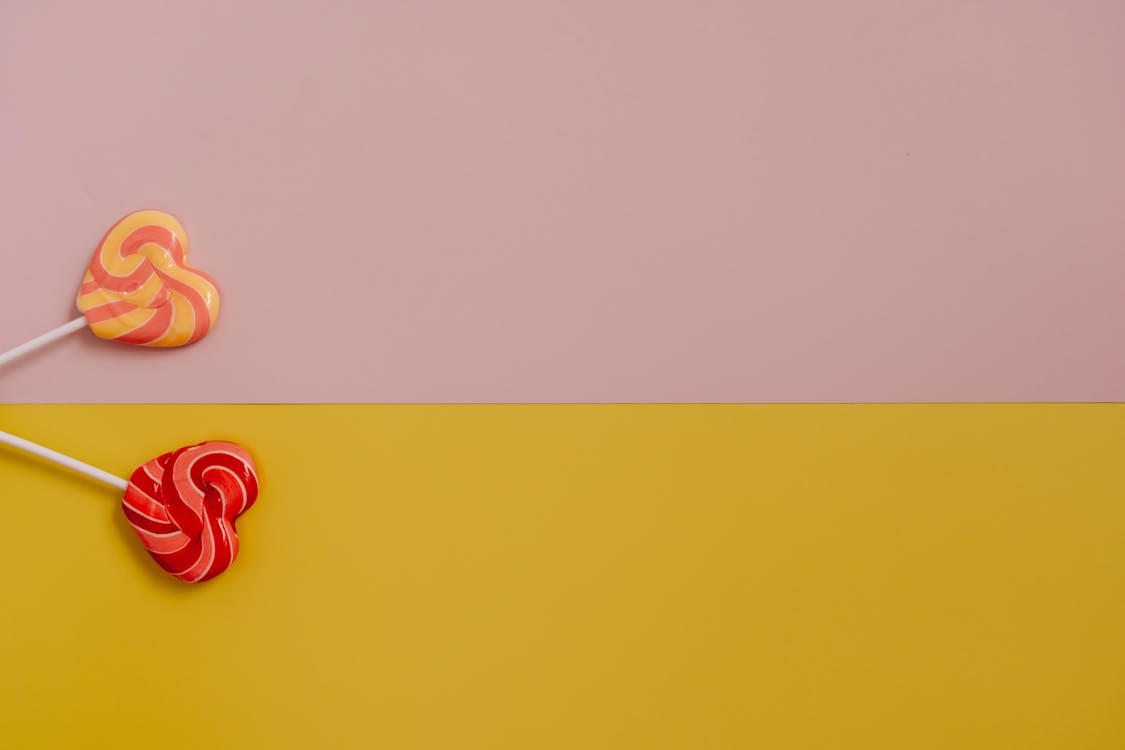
[139, 288]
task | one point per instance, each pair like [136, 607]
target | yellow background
[905, 576]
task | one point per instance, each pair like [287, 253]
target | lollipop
[182, 504]
[139, 289]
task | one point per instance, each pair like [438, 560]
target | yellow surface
[583, 577]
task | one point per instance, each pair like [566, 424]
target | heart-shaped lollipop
[182, 504]
[139, 289]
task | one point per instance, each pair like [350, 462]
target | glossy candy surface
[139, 289]
[183, 506]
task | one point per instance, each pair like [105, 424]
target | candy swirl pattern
[139, 289]
[183, 506]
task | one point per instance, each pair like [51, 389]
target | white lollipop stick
[40, 341]
[71, 463]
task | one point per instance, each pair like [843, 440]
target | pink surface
[580, 201]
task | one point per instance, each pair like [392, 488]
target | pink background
[580, 201]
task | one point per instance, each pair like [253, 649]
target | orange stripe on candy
[151, 330]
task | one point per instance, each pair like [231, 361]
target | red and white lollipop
[182, 504]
